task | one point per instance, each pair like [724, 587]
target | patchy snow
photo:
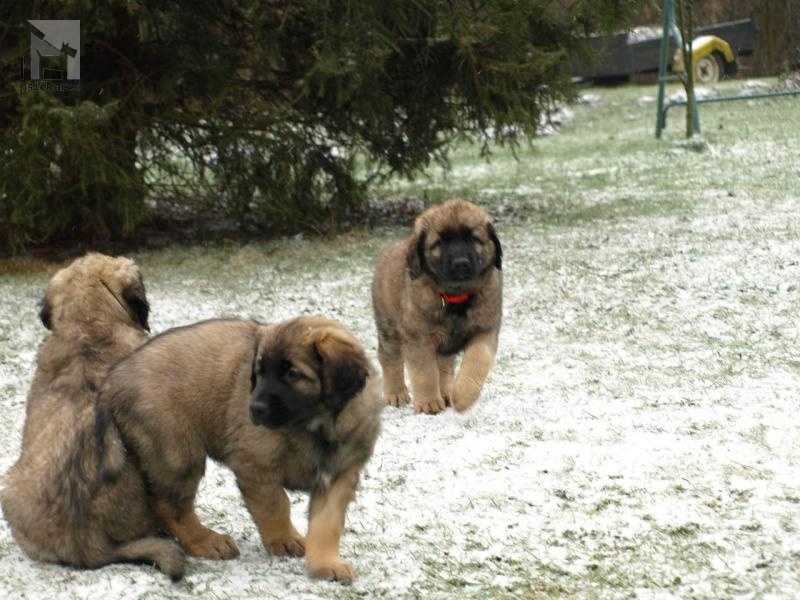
[754, 86]
[636, 433]
[789, 82]
[553, 120]
[637, 437]
[590, 99]
[700, 93]
[638, 34]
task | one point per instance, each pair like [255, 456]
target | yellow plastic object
[702, 46]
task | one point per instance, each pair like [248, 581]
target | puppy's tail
[164, 553]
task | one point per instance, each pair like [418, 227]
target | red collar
[455, 299]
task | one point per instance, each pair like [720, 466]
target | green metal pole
[672, 103]
[670, 28]
[689, 62]
[669, 24]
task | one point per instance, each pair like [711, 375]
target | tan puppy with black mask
[435, 294]
[294, 405]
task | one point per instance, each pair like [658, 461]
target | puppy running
[435, 294]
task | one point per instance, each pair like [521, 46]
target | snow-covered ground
[638, 436]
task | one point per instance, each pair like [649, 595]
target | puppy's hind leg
[390, 355]
[198, 540]
[173, 474]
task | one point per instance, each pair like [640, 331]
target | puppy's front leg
[475, 367]
[447, 367]
[390, 355]
[326, 523]
[271, 510]
[423, 370]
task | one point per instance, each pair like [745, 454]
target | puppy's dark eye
[290, 374]
[473, 239]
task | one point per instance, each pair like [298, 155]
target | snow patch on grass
[636, 436]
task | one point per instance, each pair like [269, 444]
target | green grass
[607, 164]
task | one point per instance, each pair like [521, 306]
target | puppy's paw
[334, 569]
[397, 399]
[292, 544]
[213, 545]
[447, 395]
[429, 406]
[465, 394]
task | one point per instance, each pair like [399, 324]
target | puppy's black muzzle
[269, 412]
[460, 269]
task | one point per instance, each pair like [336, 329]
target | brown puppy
[435, 294]
[72, 497]
[294, 405]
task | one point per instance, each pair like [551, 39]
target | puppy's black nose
[258, 413]
[460, 267]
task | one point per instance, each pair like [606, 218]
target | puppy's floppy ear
[498, 249]
[46, 313]
[415, 256]
[136, 299]
[344, 367]
[254, 366]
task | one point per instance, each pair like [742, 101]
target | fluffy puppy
[294, 405]
[435, 294]
[72, 497]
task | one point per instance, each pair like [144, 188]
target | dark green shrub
[259, 110]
